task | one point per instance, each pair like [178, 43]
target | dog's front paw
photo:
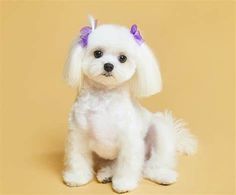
[104, 175]
[76, 178]
[161, 175]
[122, 185]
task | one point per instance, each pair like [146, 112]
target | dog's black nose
[108, 67]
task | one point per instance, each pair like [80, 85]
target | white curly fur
[107, 120]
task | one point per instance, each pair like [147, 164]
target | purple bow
[84, 33]
[137, 36]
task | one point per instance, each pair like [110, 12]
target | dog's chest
[104, 116]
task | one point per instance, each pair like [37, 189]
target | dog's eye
[97, 53]
[122, 58]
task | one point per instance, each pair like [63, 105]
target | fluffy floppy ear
[72, 70]
[147, 79]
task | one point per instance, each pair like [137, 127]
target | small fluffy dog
[112, 66]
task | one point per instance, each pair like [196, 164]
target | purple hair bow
[137, 36]
[84, 33]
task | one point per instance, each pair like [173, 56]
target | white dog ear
[73, 67]
[147, 79]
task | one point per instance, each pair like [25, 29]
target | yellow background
[195, 44]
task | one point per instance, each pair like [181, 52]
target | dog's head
[112, 55]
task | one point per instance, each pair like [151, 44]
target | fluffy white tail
[186, 142]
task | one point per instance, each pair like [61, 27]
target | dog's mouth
[107, 74]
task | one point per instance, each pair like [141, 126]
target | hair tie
[84, 33]
[137, 36]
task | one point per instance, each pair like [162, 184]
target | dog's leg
[128, 167]
[78, 160]
[159, 167]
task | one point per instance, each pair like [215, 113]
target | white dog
[112, 66]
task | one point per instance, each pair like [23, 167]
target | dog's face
[109, 56]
